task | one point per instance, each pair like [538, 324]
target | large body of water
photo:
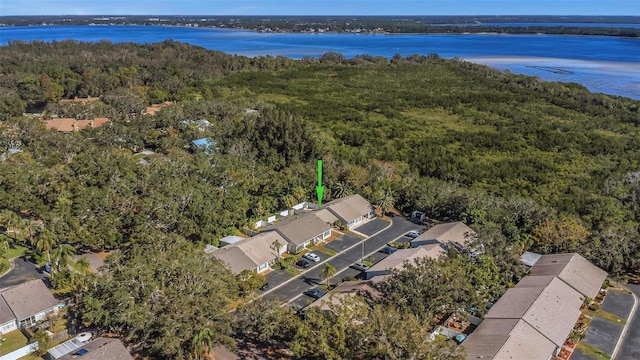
[603, 64]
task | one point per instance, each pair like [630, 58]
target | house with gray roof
[30, 302]
[8, 321]
[398, 259]
[351, 210]
[301, 230]
[255, 253]
[98, 349]
[533, 319]
[574, 270]
[455, 233]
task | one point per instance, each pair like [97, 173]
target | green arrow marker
[320, 188]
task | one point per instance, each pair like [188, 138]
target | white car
[360, 266]
[311, 256]
[413, 234]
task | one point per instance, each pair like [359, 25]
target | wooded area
[529, 165]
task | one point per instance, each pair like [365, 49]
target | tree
[201, 344]
[386, 201]
[160, 294]
[62, 253]
[46, 241]
[10, 221]
[276, 245]
[31, 228]
[41, 338]
[327, 272]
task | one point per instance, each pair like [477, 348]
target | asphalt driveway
[342, 243]
[618, 303]
[603, 334]
[22, 271]
[631, 343]
[372, 227]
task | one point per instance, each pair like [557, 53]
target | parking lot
[372, 227]
[603, 334]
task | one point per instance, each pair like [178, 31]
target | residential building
[98, 349]
[255, 253]
[574, 270]
[301, 230]
[29, 302]
[398, 259]
[67, 125]
[8, 321]
[351, 210]
[365, 288]
[206, 144]
[454, 233]
[533, 319]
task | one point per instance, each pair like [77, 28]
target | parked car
[360, 266]
[413, 234]
[265, 286]
[303, 263]
[388, 250]
[311, 256]
[314, 293]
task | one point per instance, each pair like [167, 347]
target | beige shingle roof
[397, 259]
[101, 349]
[507, 339]
[573, 269]
[6, 314]
[348, 288]
[349, 208]
[301, 228]
[456, 232]
[29, 298]
[326, 216]
[249, 253]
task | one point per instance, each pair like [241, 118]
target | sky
[319, 7]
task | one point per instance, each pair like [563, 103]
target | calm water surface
[603, 64]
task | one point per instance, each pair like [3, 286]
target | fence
[23, 351]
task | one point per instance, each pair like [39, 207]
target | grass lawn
[15, 251]
[15, 340]
[592, 351]
[325, 250]
[606, 315]
[31, 357]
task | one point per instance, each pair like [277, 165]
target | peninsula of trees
[561, 25]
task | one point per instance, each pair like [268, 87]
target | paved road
[631, 343]
[341, 262]
[21, 272]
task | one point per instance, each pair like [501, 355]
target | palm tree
[63, 252]
[31, 229]
[276, 245]
[386, 201]
[9, 220]
[45, 241]
[327, 273]
[201, 344]
[341, 189]
[83, 266]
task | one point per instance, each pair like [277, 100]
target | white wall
[23, 351]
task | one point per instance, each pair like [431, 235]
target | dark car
[303, 263]
[265, 286]
[314, 293]
[388, 250]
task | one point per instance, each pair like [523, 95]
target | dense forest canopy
[527, 164]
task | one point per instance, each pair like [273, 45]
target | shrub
[594, 306]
